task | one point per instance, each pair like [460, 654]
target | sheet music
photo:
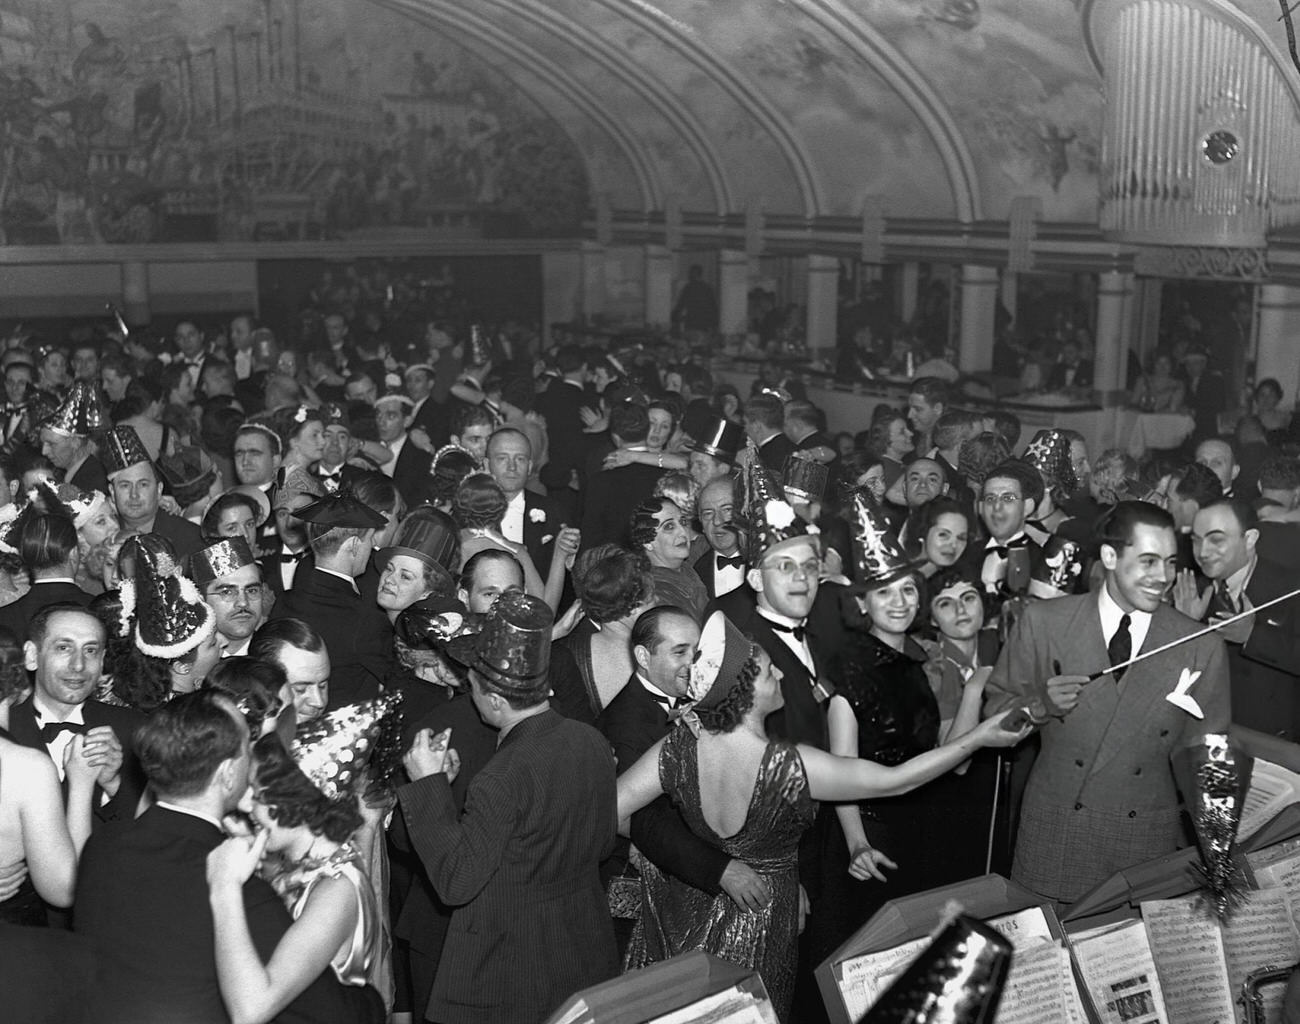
[1189, 955]
[1261, 933]
[1023, 927]
[1036, 988]
[1120, 973]
[863, 978]
[1272, 787]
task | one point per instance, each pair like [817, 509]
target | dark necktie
[1225, 597]
[738, 562]
[798, 632]
[1120, 648]
[292, 557]
[51, 730]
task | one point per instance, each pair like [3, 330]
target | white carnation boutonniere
[536, 515]
[1181, 696]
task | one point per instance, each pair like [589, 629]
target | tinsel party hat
[81, 414]
[12, 518]
[122, 449]
[877, 556]
[804, 479]
[1214, 778]
[228, 555]
[513, 647]
[335, 750]
[171, 619]
[1049, 453]
[769, 518]
[83, 505]
[957, 979]
[1059, 571]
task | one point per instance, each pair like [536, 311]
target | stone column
[659, 266]
[1277, 331]
[979, 303]
[909, 283]
[822, 306]
[135, 293]
[1114, 333]
[591, 289]
[733, 292]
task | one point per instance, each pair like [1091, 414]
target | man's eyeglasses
[230, 593]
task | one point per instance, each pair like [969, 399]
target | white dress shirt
[59, 745]
[396, 448]
[726, 578]
[800, 648]
[512, 525]
[1139, 622]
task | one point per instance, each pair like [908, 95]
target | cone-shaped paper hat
[1049, 453]
[122, 449]
[171, 618]
[81, 414]
[769, 518]
[877, 556]
[335, 750]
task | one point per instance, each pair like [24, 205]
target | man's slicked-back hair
[274, 636]
[1198, 483]
[184, 741]
[1118, 526]
[1242, 510]
[934, 390]
[646, 632]
[39, 624]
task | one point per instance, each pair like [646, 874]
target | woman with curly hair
[660, 529]
[302, 436]
[614, 587]
[939, 533]
[753, 798]
[478, 508]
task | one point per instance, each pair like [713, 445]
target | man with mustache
[722, 567]
[229, 577]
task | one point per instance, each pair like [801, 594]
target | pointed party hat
[335, 750]
[81, 414]
[1049, 453]
[12, 518]
[770, 520]
[171, 619]
[122, 449]
[877, 556]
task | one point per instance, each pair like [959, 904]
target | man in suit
[764, 424]
[521, 863]
[136, 490]
[713, 453]
[1101, 795]
[65, 652]
[1219, 457]
[927, 400]
[1263, 649]
[409, 466]
[427, 414]
[47, 544]
[142, 890]
[302, 656]
[664, 641]
[341, 531]
[1207, 395]
[561, 406]
[530, 519]
[1071, 370]
[230, 580]
[721, 568]
[192, 350]
[280, 565]
[612, 494]
[1009, 495]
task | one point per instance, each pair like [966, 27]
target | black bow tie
[1005, 549]
[334, 474]
[798, 632]
[738, 562]
[51, 730]
[662, 700]
[290, 556]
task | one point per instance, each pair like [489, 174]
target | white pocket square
[1181, 698]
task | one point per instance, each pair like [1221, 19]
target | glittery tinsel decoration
[1215, 778]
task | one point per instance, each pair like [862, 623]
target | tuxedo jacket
[358, 635]
[271, 570]
[1101, 796]
[434, 418]
[560, 406]
[706, 569]
[17, 617]
[185, 536]
[609, 499]
[633, 722]
[1265, 670]
[543, 518]
[521, 866]
[411, 473]
[774, 451]
[90, 476]
[24, 731]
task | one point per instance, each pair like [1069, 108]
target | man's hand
[746, 887]
[593, 422]
[1187, 600]
[420, 438]
[428, 754]
[1239, 631]
[1063, 693]
[103, 750]
[865, 863]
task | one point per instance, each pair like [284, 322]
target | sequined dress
[676, 918]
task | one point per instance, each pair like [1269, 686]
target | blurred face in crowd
[891, 609]
[667, 664]
[99, 527]
[54, 369]
[419, 384]
[945, 541]
[874, 481]
[336, 330]
[241, 333]
[661, 429]
[189, 340]
[390, 420]
[1139, 574]
[361, 390]
[292, 530]
[475, 440]
[900, 439]
[68, 660]
[923, 480]
[237, 599]
[1079, 460]
[63, 450]
[787, 578]
[255, 458]
[114, 383]
[1219, 543]
[510, 461]
[716, 506]
[958, 611]
[922, 414]
[338, 439]
[672, 540]
[308, 680]
[85, 363]
[136, 491]
[704, 468]
[492, 578]
[17, 379]
[1217, 456]
[1003, 507]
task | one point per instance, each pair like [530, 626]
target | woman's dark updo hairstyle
[611, 581]
[231, 499]
[13, 673]
[253, 684]
[107, 608]
[285, 422]
[644, 526]
[292, 800]
[479, 503]
[449, 471]
[727, 713]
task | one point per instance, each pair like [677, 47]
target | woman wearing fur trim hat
[753, 797]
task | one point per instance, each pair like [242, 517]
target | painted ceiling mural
[236, 120]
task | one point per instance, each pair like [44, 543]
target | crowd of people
[345, 685]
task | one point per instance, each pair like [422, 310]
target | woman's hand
[567, 541]
[232, 863]
[865, 863]
[81, 770]
[593, 422]
[617, 458]
[565, 624]
[992, 733]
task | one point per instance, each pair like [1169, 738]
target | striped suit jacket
[520, 865]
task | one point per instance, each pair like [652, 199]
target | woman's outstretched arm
[638, 787]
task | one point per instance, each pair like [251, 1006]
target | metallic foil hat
[188, 472]
[82, 413]
[513, 648]
[333, 751]
[877, 556]
[429, 535]
[769, 518]
[720, 438]
[1059, 571]
[219, 559]
[805, 479]
[434, 622]
[171, 618]
[1049, 453]
[719, 660]
[958, 979]
[122, 449]
[84, 505]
